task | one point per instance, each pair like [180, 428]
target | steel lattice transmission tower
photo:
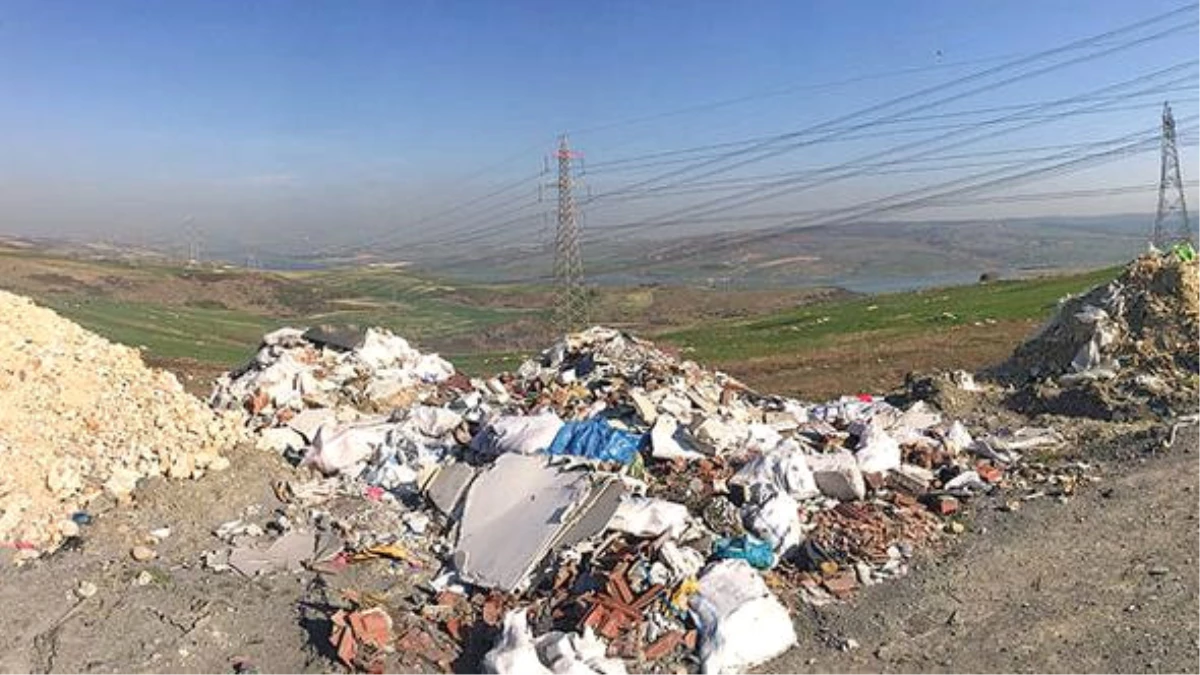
[1170, 190]
[570, 302]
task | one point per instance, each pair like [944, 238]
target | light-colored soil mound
[80, 416]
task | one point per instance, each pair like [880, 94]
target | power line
[650, 161]
[487, 225]
[853, 168]
[902, 202]
[858, 212]
[764, 146]
[361, 246]
[468, 228]
[789, 186]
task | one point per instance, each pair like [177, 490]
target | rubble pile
[1124, 350]
[325, 367]
[80, 416]
[605, 501]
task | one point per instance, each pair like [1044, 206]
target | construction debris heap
[80, 416]
[1124, 350]
[638, 505]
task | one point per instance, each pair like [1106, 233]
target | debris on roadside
[1124, 350]
[605, 501]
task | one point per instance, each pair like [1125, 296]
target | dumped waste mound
[622, 501]
[80, 416]
[1123, 350]
[326, 367]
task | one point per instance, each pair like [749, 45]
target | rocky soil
[80, 416]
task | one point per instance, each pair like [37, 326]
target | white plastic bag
[648, 517]
[741, 623]
[514, 651]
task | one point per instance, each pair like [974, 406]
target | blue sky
[338, 119]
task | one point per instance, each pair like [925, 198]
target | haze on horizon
[291, 127]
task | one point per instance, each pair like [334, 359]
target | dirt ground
[875, 365]
[1104, 582]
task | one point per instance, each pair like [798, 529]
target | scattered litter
[515, 652]
[1093, 356]
[86, 589]
[642, 517]
[596, 439]
[288, 553]
[758, 553]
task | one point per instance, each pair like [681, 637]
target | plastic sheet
[596, 439]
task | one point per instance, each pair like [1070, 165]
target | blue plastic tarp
[597, 439]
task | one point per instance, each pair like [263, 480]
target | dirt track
[1052, 587]
[1099, 584]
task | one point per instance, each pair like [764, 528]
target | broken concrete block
[280, 439]
[447, 487]
[877, 451]
[838, 476]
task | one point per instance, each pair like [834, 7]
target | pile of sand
[80, 416]
[1129, 348]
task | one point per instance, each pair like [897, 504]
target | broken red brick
[648, 597]
[903, 500]
[258, 401]
[842, 584]
[493, 610]
[341, 638]
[689, 640]
[853, 511]
[664, 645]
[594, 617]
[612, 625]
[944, 505]
[448, 598]
[989, 473]
[372, 627]
[618, 586]
[417, 642]
[454, 628]
[875, 479]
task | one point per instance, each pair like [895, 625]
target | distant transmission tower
[1170, 190]
[193, 238]
[570, 302]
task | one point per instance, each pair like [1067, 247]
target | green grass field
[430, 311]
[894, 314]
[210, 335]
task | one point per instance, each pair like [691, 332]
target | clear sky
[272, 120]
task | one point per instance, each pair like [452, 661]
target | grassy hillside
[805, 342]
[885, 316]
[216, 315]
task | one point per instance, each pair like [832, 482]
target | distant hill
[864, 257]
